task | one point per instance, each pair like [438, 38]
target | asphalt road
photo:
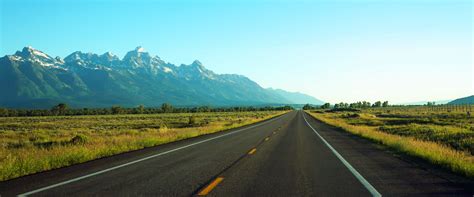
[291, 155]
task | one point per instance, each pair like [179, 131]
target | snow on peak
[15, 57]
[140, 49]
[36, 52]
[108, 56]
[59, 60]
[36, 56]
[39, 53]
[167, 70]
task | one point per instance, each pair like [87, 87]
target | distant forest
[63, 109]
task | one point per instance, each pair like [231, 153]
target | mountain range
[31, 78]
[463, 101]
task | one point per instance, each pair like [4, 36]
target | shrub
[79, 139]
[191, 121]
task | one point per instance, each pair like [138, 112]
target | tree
[365, 104]
[385, 104]
[307, 107]
[116, 109]
[286, 107]
[3, 112]
[377, 104]
[326, 106]
[204, 109]
[191, 120]
[140, 109]
[166, 108]
[60, 109]
[341, 105]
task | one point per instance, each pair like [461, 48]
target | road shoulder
[391, 172]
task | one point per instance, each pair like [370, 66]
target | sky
[335, 50]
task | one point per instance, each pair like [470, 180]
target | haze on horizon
[400, 50]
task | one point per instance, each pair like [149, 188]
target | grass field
[34, 144]
[442, 137]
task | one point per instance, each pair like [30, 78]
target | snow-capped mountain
[32, 78]
[32, 55]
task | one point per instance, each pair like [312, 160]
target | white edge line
[359, 177]
[142, 159]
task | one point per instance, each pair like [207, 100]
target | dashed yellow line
[211, 186]
[252, 151]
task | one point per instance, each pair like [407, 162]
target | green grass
[34, 144]
[442, 138]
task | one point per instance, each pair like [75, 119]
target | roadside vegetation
[34, 144]
[440, 134]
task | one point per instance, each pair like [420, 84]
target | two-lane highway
[291, 155]
[294, 162]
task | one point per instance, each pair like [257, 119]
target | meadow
[34, 144]
[442, 136]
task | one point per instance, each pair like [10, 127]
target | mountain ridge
[297, 97]
[33, 79]
[463, 100]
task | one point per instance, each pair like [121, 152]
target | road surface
[290, 155]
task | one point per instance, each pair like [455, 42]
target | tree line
[342, 105]
[429, 106]
[64, 109]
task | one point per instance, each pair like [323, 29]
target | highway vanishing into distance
[290, 155]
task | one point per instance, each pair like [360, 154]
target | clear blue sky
[340, 50]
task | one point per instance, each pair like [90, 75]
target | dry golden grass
[461, 162]
[34, 144]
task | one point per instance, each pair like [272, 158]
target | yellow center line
[210, 187]
[252, 151]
